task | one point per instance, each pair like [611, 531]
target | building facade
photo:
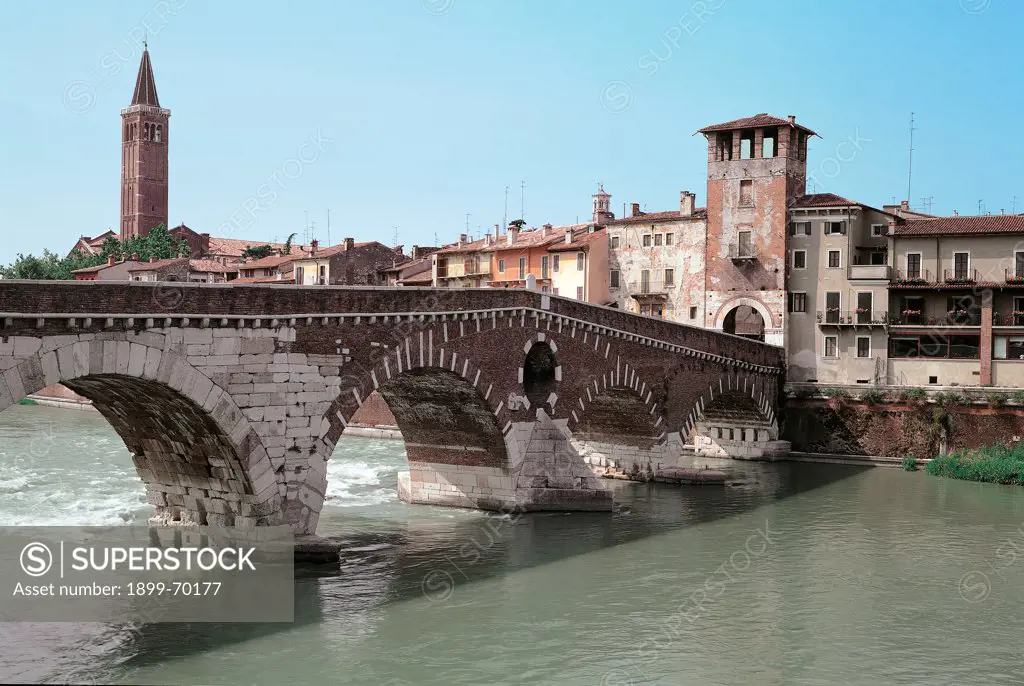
[348, 263]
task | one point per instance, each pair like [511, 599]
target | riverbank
[996, 464]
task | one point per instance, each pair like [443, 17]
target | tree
[518, 223]
[257, 252]
[288, 245]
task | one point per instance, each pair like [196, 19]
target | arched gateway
[232, 398]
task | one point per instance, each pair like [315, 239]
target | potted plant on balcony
[1014, 278]
[1017, 317]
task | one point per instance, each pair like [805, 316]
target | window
[693, 315]
[768, 143]
[961, 264]
[863, 346]
[544, 267]
[615, 242]
[746, 144]
[835, 228]
[744, 248]
[797, 302]
[579, 292]
[1018, 306]
[799, 259]
[935, 346]
[877, 257]
[645, 281]
[501, 266]
[800, 229]
[668, 238]
[658, 239]
[746, 193]
[835, 259]
[831, 346]
[522, 267]
[964, 347]
[323, 274]
[614, 277]
[964, 310]
[878, 229]
[903, 346]
[543, 289]
[913, 265]
[833, 305]
[442, 267]
[647, 240]
[300, 276]
[580, 261]
[554, 266]
[159, 132]
[670, 276]
[554, 291]
[1009, 348]
[864, 302]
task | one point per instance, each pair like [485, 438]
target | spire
[145, 84]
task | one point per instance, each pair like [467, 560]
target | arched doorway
[744, 321]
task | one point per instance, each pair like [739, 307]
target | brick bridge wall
[232, 398]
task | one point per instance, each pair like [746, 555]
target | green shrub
[872, 396]
[912, 395]
[835, 393]
[1018, 397]
[997, 464]
[909, 463]
[27, 401]
[995, 399]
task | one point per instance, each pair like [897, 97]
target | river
[800, 574]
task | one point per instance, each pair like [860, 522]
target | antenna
[522, 200]
[504, 220]
[328, 226]
[1013, 205]
[926, 203]
[468, 215]
[305, 234]
[312, 230]
[910, 163]
[980, 205]
[395, 227]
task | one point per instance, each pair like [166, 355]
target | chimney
[110, 260]
[546, 229]
[513, 231]
[349, 244]
[568, 236]
[135, 256]
[152, 259]
[462, 239]
[904, 205]
[955, 213]
[636, 210]
[792, 118]
[497, 232]
[487, 239]
[313, 245]
[686, 202]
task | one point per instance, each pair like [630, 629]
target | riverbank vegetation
[27, 401]
[997, 464]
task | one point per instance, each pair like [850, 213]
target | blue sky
[427, 109]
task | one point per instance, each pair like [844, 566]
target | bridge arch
[731, 305]
[196, 451]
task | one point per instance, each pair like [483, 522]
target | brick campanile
[756, 167]
[144, 137]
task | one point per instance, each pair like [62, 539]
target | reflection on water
[854, 578]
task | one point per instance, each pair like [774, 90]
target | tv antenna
[1013, 205]
[328, 226]
[910, 163]
[504, 219]
[926, 203]
[522, 200]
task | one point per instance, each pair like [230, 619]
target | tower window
[159, 131]
[769, 143]
[145, 131]
[746, 144]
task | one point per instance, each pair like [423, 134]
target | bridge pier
[545, 472]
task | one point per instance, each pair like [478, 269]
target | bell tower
[144, 139]
[756, 167]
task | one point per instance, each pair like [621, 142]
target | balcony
[914, 277]
[882, 272]
[741, 252]
[649, 290]
[1015, 318]
[959, 276]
[1013, 278]
[858, 317]
[953, 318]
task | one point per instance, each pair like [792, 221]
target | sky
[414, 113]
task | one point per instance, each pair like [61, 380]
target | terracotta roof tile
[671, 215]
[824, 200]
[159, 264]
[580, 241]
[234, 247]
[962, 226]
[268, 262]
[757, 121]
[212, 266]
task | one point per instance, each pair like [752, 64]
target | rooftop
[824, 200]
[962, 226]
[758, 121]
[268, 262]
[671, 215]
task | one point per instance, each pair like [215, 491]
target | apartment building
[579, 263]
[348, 263]
[465, 264]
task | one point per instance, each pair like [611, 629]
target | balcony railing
[741, 252]
[1014, 318]
[869, 271]
[921, 276]
[862, 317]
[1013, 277]
[954, 318]
[956, 276]
[651, 287]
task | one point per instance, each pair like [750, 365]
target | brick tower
[756, 167]
[144, 136]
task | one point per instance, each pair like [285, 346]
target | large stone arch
[733, 418]
[196, 451]
[728, 306]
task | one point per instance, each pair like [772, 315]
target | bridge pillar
[545, 472]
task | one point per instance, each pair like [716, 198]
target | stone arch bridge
[231, 398]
